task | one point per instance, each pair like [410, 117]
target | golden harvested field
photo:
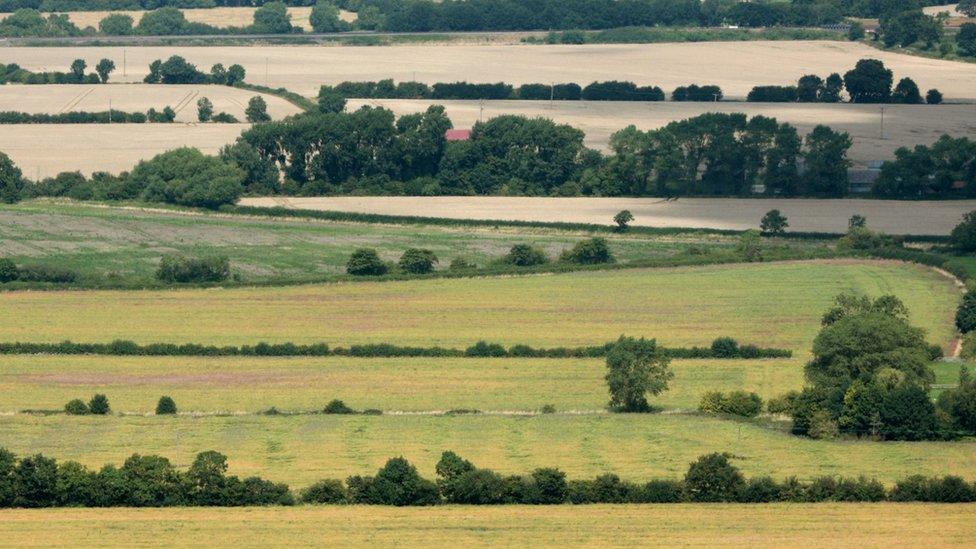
[300, 384]
[703, 525]
[772, 305]
[819, 215]
[218, 17]
[54, 99]
[302, 449]
[904, 125]
[736, 66]
[42, 150]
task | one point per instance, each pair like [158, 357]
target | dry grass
[896, 217]
[736, 66]
[905, 125]
[775, 304]
[710, 525]
[42, 150]
[218, 17]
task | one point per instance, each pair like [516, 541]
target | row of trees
[177, 70]
[166, 115]
[595, 91]
[946, 168]
[868, 82]
[14, 73]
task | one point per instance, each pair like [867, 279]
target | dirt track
[897, 217]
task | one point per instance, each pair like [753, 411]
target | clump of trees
[595, 91]
[167, 115]
[694, 92]
[14, 73]
[868, 82]
[98, 405]
[177, 70]
[366, 262]
[946, 168]
[185, 177]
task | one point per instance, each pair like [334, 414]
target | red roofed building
[457, 135]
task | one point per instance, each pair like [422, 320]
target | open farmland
[818, 215]
[735, 66]
[218, 17]
[773, 305]
[707, 525]
[44, 150]
[60, 98]
[300, 450]
[904, 125]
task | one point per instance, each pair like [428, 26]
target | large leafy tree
[826, 162]
[11, 180]
[636, 368]
[869, 82]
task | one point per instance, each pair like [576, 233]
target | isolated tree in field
[165, 406]
[257, 110]
[868, 82]
[78, 67]
[417, 261]
[272, 18]
[962, 237]
[636, 368]
[104, 68]
[98, 405]
[857, 222]
[365, 262]
[235, 74]
[11, 180]
[622, 219]
[933, 97]
[116, 24]
[325, 18]
[205, 109]
[773, 223]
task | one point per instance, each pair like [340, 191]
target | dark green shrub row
[11, 272]
[98, 405]
[83, 117]
[709, 479]
[480, 349]
[142, 481]
[178, 268]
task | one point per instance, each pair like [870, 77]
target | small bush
[417, 261]
[165, 406]
[712, 478]
[182, 269]
[365, 262]
[547, 409]
[524, 255]
[736, 403]
[461, 264]
[76, 407]
[98, 405]
[662, 491]
[822, 426]
[337, 407]
[589, 252]
[325, 491]
[8, 270]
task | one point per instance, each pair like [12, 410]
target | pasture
[774, 305]
[101, 242]
[300, 450]
[706, 525]
[904, 125]
[807, 214]
[735, 66]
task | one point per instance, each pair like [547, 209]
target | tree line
[39, 481]
[868, 82]
[14, 73]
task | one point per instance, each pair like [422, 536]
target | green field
[707, 525]
[771, 305]
[234, 384]
[102, 243]
[300, 450]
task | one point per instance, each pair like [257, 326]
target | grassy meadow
[300, 450]
[245, 384]
[772, 305]
[705, 525]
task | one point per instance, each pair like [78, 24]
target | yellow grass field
[905, 125]
[704, 525]
[218, 17]
[43, 150]
[818, 215]
[775, 304]
[735, 66]
[248, 384]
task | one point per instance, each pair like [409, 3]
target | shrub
[165, 406]
[737, 403]
[76, 407]
[547, 409]
[589, 252]
[622, 219]
[182, 269]
[337, 407]
[860, 238]
[662, 491]
[257, 110]
[325, 491]
[782, 404]
[365, 262]
[524, 255]
[485, 349]
[461, 264]
[712, 478]
[759, 490]
[8, 270]
[98, 405]
[46, 273]
[550, 486]
[750, 246]
[966, 313]
[933, 97]
[397, 483]
[774, 223]
[822, 426]
[725, 347]
[635, 368]
[417, 261]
